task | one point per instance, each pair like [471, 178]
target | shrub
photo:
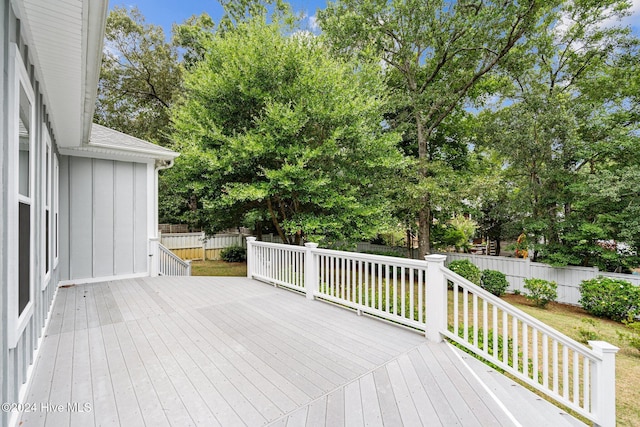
[611, 298]
[234, 254]
[541, 292]
[466, 269]
[494, 281]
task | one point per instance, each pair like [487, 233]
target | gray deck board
[200, 351]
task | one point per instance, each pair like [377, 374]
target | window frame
[56, 210]
[47, 202]
[19, 78]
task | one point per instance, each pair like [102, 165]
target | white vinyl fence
[518, 269]
[415, 293]
[198, 246]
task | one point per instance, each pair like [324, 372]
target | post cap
[435, 258]
[311, 245]
[603, 347]
[251, 239]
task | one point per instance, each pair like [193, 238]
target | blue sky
[167, 12]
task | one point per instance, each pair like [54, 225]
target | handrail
[414, 293]
[169, 264]
[520, 344]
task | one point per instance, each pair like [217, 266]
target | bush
[466, 269]
[494, 281]
[541, 292]
[234, 254]
[611, 298]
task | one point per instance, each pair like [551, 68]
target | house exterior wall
[18, 347]
[104, 204]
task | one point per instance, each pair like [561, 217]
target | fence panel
[516, 270]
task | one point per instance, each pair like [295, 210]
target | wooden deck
[194, 351]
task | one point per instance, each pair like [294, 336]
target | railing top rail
[173, 256]
[521, 315]
[280, 246]
[397, 261]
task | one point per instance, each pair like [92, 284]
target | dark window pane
[24, 256]
[46, 241]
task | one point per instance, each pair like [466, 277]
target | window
[56, 210]
[47, 198]
[21, 197]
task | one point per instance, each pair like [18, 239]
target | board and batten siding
[105, 232]
[17, 360]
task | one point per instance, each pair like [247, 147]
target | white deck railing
[163, 262]
[415, 293]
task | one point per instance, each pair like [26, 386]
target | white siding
[107, 211]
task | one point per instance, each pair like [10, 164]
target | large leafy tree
[569, 134]
[272, 126]
[139, 78]
[436, 53]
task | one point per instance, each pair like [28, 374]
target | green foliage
[385, 253]
[633, 338]
[234, 254]
[434, 64]
[275, 124]
[494, 281]
[466, 269]
[588, 332]
[139, 79]
[541, 292]
[611, 298]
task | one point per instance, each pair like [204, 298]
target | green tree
[569, 135]
[139, 78]
[274, 124]
[436, 54]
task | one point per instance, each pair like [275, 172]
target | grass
[218, 268]
[577, 323]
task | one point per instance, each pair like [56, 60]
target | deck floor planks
[60, 392]
[270, 401]
[238, 361]
[147, 343]
[479, 403]
[145, 392]
[335, 341]
[129, 412]
[370, 402]
[82, 383]
[421, 400]
[287, 342]
[336, 408]
[104, 401]
[230, 351]
[404, 401]
[302, 376]
[353, 405]
[198, 361]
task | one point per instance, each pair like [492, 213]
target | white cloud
[313, 23]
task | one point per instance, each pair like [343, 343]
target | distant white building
[79, 201]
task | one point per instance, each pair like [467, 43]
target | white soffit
[65, 38]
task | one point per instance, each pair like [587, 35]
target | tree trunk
[424, 214]
[276, 224]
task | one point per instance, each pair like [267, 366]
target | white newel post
[436, 304]
[250, 259]
[310, 271]
[154, 256]
[603, 387]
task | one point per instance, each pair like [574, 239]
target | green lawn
[218, 268]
